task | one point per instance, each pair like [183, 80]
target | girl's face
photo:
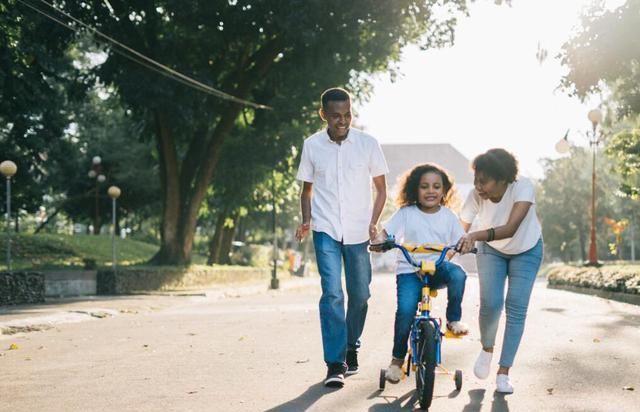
[430, 192]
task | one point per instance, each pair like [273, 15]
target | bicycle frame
[425, 269]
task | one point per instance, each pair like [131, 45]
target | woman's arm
[517, 215]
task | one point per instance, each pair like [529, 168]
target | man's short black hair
[335, 94]
[497, 164]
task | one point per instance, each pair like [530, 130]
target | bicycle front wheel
[426, 363]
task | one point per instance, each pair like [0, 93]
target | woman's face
[488, 187]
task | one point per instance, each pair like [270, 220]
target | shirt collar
[346, 140]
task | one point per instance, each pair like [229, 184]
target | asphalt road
[256, 350]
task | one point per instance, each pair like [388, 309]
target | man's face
[337, 114]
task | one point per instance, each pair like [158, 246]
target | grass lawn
[53, 251]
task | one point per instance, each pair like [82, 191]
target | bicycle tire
[426, 363]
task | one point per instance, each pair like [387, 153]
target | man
[336, 168]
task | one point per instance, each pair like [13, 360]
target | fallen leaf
[302, 361]
[556, 359]
[241, 338]
[550, 391]
[13, 346]
[596, 340]
[628, 388]
[192, 392]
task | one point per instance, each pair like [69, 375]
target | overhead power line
[139, 58]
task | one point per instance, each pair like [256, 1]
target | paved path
[261, 351]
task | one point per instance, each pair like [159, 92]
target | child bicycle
[426, 335]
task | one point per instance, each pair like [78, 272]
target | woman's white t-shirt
[411, 225]
[491, 214]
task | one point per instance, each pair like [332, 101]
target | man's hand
[373, 232]
[302, 231]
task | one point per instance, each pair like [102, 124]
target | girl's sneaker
[394, 372]
[483, 364]
[503, 385]
[458, 328]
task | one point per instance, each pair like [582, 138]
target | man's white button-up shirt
[342, 203]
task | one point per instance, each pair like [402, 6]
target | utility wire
[143, 60]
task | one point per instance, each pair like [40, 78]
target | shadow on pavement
[394, 403]
[305, 400]
[476, 397]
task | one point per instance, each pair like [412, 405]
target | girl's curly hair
[410, 182]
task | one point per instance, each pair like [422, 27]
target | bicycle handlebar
[407, 249]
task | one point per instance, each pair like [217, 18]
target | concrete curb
[606, 294]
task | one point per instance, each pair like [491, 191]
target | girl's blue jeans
[494, 268]
[340, 332]
[409, 293]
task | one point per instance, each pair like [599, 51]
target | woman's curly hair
[410, 182]
[498, 164]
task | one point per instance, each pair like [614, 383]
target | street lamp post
[595, 116]
[114, 194]
[595, 138]
[275, 282]
[8, 169]
[96, 173]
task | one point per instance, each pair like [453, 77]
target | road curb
[605, 294]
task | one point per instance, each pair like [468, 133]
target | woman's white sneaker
[503, 385]
[483, 365]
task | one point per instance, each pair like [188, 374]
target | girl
[423, 218]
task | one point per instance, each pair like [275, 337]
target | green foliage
[564, 205]
[36, 81]
[624, 148]
[607, 49]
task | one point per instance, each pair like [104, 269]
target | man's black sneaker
[335, 375]
[352, 363]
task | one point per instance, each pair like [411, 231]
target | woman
[509, 241]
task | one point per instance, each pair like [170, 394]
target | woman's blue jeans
[494, 268]
[409, 293]
[340, 333]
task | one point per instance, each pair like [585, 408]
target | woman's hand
[466, 243]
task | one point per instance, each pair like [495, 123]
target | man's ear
[322, 114]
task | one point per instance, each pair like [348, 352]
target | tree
[563, 204]
[271, 52]
[606, 51]
[37, 80]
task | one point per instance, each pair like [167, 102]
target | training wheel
[383, 379]
[458, 379]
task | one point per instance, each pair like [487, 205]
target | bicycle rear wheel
[426, 363]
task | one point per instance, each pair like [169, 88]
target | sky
[488, 90]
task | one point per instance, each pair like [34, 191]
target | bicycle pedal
[451, 335]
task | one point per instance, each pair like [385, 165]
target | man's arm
[380, 183]
[305, 206]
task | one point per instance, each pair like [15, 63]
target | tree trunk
[214, 244]
[184, 190]
[225, 243]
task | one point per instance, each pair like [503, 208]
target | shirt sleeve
[305, 169]
[470, 207]
[524, 191]
[396, 223]
[377, 162]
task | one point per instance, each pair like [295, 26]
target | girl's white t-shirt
[491, 214]
[411, 225]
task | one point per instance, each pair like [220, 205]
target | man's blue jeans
[340, 332]
[409, 293]
[494, 268]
